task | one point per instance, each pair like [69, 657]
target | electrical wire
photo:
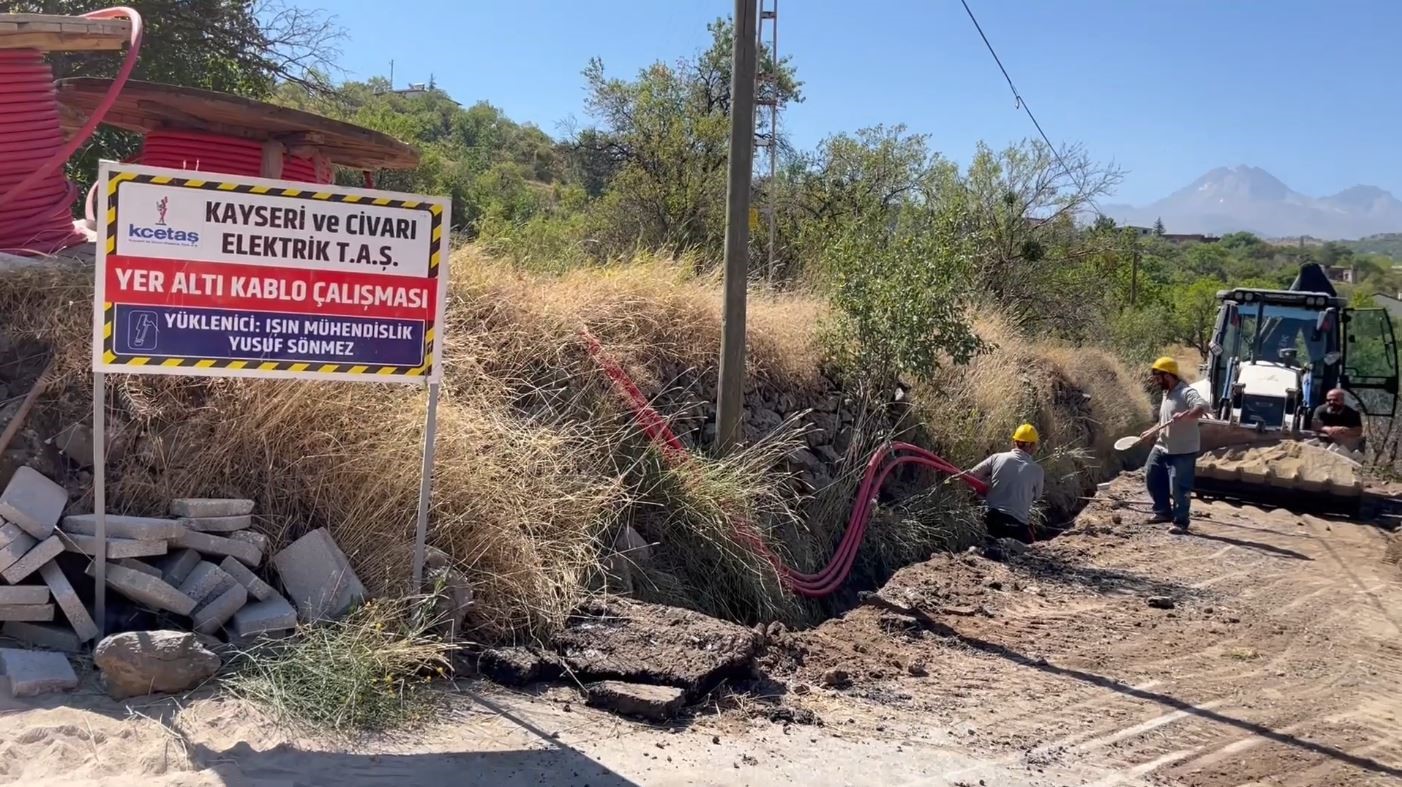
[1017, 96]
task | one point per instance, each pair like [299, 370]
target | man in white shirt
[1015, 482]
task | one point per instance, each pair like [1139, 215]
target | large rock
[655, 703]
[650, 643]
[149, 662]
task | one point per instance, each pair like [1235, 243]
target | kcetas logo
[161, 233]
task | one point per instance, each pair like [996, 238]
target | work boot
[1159, 519]
[1179, 529]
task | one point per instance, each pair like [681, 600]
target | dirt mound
[1394, 550]
[1288, 465]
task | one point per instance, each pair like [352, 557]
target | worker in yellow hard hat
[1014, 483]
[1169, 471]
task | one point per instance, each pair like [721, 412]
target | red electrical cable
[35, 198]
[203, 152]
[831, 577]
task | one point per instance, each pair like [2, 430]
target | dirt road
[1277, 664]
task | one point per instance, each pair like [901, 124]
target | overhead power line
[1021, 102]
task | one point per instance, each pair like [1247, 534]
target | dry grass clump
[367, 672]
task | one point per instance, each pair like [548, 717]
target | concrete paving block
[42, 613]
[177, 566]
[199, 507]
[209, 617]
[262, 617]
[218, 545]
[146, 590]
[68, 601]
[217, 524]
[204, 579]
[117, 548]
[318, 577]
[24, 594]
[256, 587]
[43, 635]
[45, 551]
[34, 672]
[33, 502]
[136, 565]
[18, 547]
[76, 443]
[251, 537]
[137, 528]
[9, 531]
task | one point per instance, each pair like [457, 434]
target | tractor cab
[1274, 354]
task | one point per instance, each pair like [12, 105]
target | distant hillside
[1243, 198]
[1388, 244]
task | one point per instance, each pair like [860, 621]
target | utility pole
[391, 76]
[769, 12]
[730, 396]
[1134, 277]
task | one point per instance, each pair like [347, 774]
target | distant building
[1339, 273]
[1190, 237]
[1142, 232]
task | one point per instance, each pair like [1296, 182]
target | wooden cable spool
[149, 107]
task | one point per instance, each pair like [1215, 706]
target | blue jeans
[1165, 473]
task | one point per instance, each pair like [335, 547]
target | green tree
[664, 136]
[1158, 227]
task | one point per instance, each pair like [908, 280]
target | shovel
[1129, 441]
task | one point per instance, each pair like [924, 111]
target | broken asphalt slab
[648, 643]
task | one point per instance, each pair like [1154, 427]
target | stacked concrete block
[43, 635]
[318, 577]
[218, 609]
[34, 559]
[201, 507]
[15, 543]
[204, 580]
[33, 672]
[217, 524]
[220, 546]
[33, 502]
[256, 587]
[35, 613]
[136, 528]
[117, 548]
[137, 565]
[264, 617]
[68, 601]
[144, 589]
[176, 567]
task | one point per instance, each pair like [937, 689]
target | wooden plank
[62, 33]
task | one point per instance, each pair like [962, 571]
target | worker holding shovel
[1169, 471]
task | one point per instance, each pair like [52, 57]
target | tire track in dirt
[1278, 664]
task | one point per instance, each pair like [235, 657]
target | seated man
[1338, 424]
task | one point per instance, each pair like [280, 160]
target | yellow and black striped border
[295, 367]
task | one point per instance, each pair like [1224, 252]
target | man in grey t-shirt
[1170, 469]
[1014, 483]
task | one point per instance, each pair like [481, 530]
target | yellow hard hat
[1167, 364]
[1027, 433]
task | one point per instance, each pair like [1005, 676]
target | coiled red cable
[831, 577]
[35, 198]
[203, 152]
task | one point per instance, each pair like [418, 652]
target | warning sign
[265, 278]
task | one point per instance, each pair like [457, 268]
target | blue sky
[1165, 88]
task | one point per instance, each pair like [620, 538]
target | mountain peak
[1245, 197]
